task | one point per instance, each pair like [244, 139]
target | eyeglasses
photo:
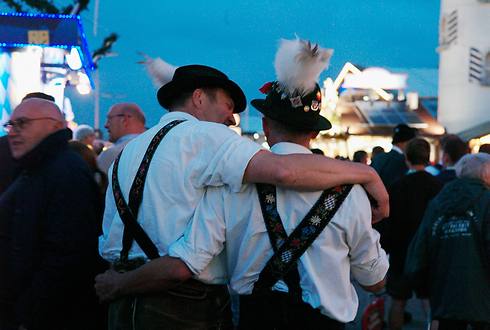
[21, 123]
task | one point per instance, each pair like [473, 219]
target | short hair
[285, 129]
[359, 155]
[82, 131]
[135, 111]
[472, 165]
[454, 147]
[38, 95]
[317, 151]
[418, 151]
[181, 99]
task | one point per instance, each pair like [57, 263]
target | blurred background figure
[391, 166]
[125, 121]
[484, 148]
[90, 157]
[409, 197]
[453, 148]
[360, 156]
[450, 252]
[85, 134]
[377, 150]
[317, 151]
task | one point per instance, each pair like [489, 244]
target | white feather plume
[159, 71]
[298, 65]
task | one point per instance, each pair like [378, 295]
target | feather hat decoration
[295, 98]
[159, 71]
[298, 65]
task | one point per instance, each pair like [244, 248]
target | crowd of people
[187, 225]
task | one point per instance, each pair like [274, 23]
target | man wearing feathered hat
[198, 152]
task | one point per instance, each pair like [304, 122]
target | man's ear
[197, 97]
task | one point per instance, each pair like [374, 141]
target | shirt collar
[125, 138]
[174, 115]
[397, 149]
[284, 148]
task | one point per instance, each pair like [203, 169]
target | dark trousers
[191, 305]
[446, 324]
[277, 310]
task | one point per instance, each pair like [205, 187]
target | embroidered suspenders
[287, 250]
[129, 212]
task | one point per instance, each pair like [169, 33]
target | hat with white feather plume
[294, 99]
[175, 81]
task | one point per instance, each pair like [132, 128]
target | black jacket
[49, 226]
[409, 198]
[390, 166]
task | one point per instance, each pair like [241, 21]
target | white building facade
[464, 67]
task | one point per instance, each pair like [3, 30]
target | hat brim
[168, 92]
[321, 124]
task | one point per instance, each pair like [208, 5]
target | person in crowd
[9, 168]
[85, 134]
[377, 150]
[484, 148]
[451, 249]
[409, 197]
[317, 151]
[360, 156]
[453, 148]
[391, 166]
[90, 157]
[49, 223]
[198, 152]
[124, 122]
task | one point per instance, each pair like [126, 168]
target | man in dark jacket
[391, 165]
[453, 148]
[450, 250]
[409, 197]
[48, 226]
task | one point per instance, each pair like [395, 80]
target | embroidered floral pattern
[290, 248]
[135, 194]
[269, 198]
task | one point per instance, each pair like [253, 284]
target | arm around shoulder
[315, 172]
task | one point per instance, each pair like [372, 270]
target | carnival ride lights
[42, 52]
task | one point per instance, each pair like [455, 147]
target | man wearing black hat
[197, 152]
[391, 166]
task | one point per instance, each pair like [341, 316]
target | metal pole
[96, 16]
[97, 101]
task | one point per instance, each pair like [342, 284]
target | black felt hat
[297, 111]
[189, 77]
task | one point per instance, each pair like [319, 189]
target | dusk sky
[241, 37]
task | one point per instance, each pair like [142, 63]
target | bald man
[49, 223]
[124, 122]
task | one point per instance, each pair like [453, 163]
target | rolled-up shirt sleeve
[369, 263]
[204, 237]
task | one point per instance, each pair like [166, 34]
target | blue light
[40, 15]
[20, 45]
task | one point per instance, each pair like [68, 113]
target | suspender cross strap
[289, 249]
[129, 213]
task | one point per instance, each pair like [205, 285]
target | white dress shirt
[192, 156]
[348, 245]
